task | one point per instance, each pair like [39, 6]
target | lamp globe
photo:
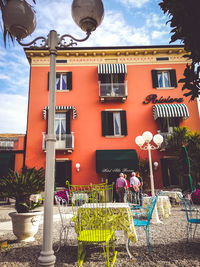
[19, 18]
[147, 136]
[87, 14]
[158, 139]
[139, 140]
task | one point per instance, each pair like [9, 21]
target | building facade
[105, 97]
[12, 153]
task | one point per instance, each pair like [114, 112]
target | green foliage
[191, 81]
[180, 137]
[21, 186]
[185, 23]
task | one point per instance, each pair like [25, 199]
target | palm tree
[181, 138]
[6, 34]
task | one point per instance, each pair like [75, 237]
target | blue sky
[126, 22]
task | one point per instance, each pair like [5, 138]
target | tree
[6, 33]
[180, 138]
[185, 23]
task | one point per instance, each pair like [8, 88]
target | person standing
[127, 194]
[140, 187]
[134, 187]
[120, 187]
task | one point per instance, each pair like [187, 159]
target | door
[169, 172]
[63, 172]
[7, 162]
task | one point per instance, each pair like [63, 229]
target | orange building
[105, 97]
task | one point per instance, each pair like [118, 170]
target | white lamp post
[19, 20]
[144, 142]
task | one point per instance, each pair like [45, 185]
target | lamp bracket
[62, 43]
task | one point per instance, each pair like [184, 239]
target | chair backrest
[93, 215]
[62, 208]
[151, 206]
[80, 194]
[187, 206]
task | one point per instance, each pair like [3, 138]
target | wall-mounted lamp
[78, 167]
[155, 164]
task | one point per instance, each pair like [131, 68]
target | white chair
[65, 221]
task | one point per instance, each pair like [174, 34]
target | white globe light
[147, 136]
[78, 165]
[139, 140]
[155, 164]
[158, 139]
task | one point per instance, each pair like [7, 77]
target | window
[63, 81]
[167, 124]
[164, 78]
[60, 125]
[114, 123]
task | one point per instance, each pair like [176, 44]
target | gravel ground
[169, 248]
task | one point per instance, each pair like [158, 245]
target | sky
[125, 23]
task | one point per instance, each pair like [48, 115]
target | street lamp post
[144, 142]
[16, 14]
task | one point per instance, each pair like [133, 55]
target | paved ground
[169, 246]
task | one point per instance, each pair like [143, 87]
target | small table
[174, 195]
[123, 221]
[163, 205]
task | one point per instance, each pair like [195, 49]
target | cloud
[13, 113]
[114, 31]
[158, 34]
[134, 3]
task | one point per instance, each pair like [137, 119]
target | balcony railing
[63, 142]
[112, 91]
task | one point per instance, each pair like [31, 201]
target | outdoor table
[122, 222]
[172, 194]
[163, 205]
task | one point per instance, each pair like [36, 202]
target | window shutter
[173, 78]
[48, 82]
[154, 78]
[107, 123]
[68, 124]
[69, 80]
[121, 77]
[104, 121]
[123, 122]
[47, 121]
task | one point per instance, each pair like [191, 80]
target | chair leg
[189, 232]
[148, 239]
[114, 253]
[81, 253]
[195, 227]
[107, 255]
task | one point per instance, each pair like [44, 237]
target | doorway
[170, 174]
[63, 172]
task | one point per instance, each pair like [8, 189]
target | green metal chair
[193, 218]
[142, 217]
[93, 224]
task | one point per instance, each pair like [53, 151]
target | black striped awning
[170, 111]
[61, 108]
[112, 68]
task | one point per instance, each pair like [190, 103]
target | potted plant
[20, 186]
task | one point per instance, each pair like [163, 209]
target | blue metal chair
[192, 216]
[142, 217]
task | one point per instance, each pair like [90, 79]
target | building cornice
[94, 55]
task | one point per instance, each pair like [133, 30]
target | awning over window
[112, 68]
[124, 160]
[170, 111]
[61, 108]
